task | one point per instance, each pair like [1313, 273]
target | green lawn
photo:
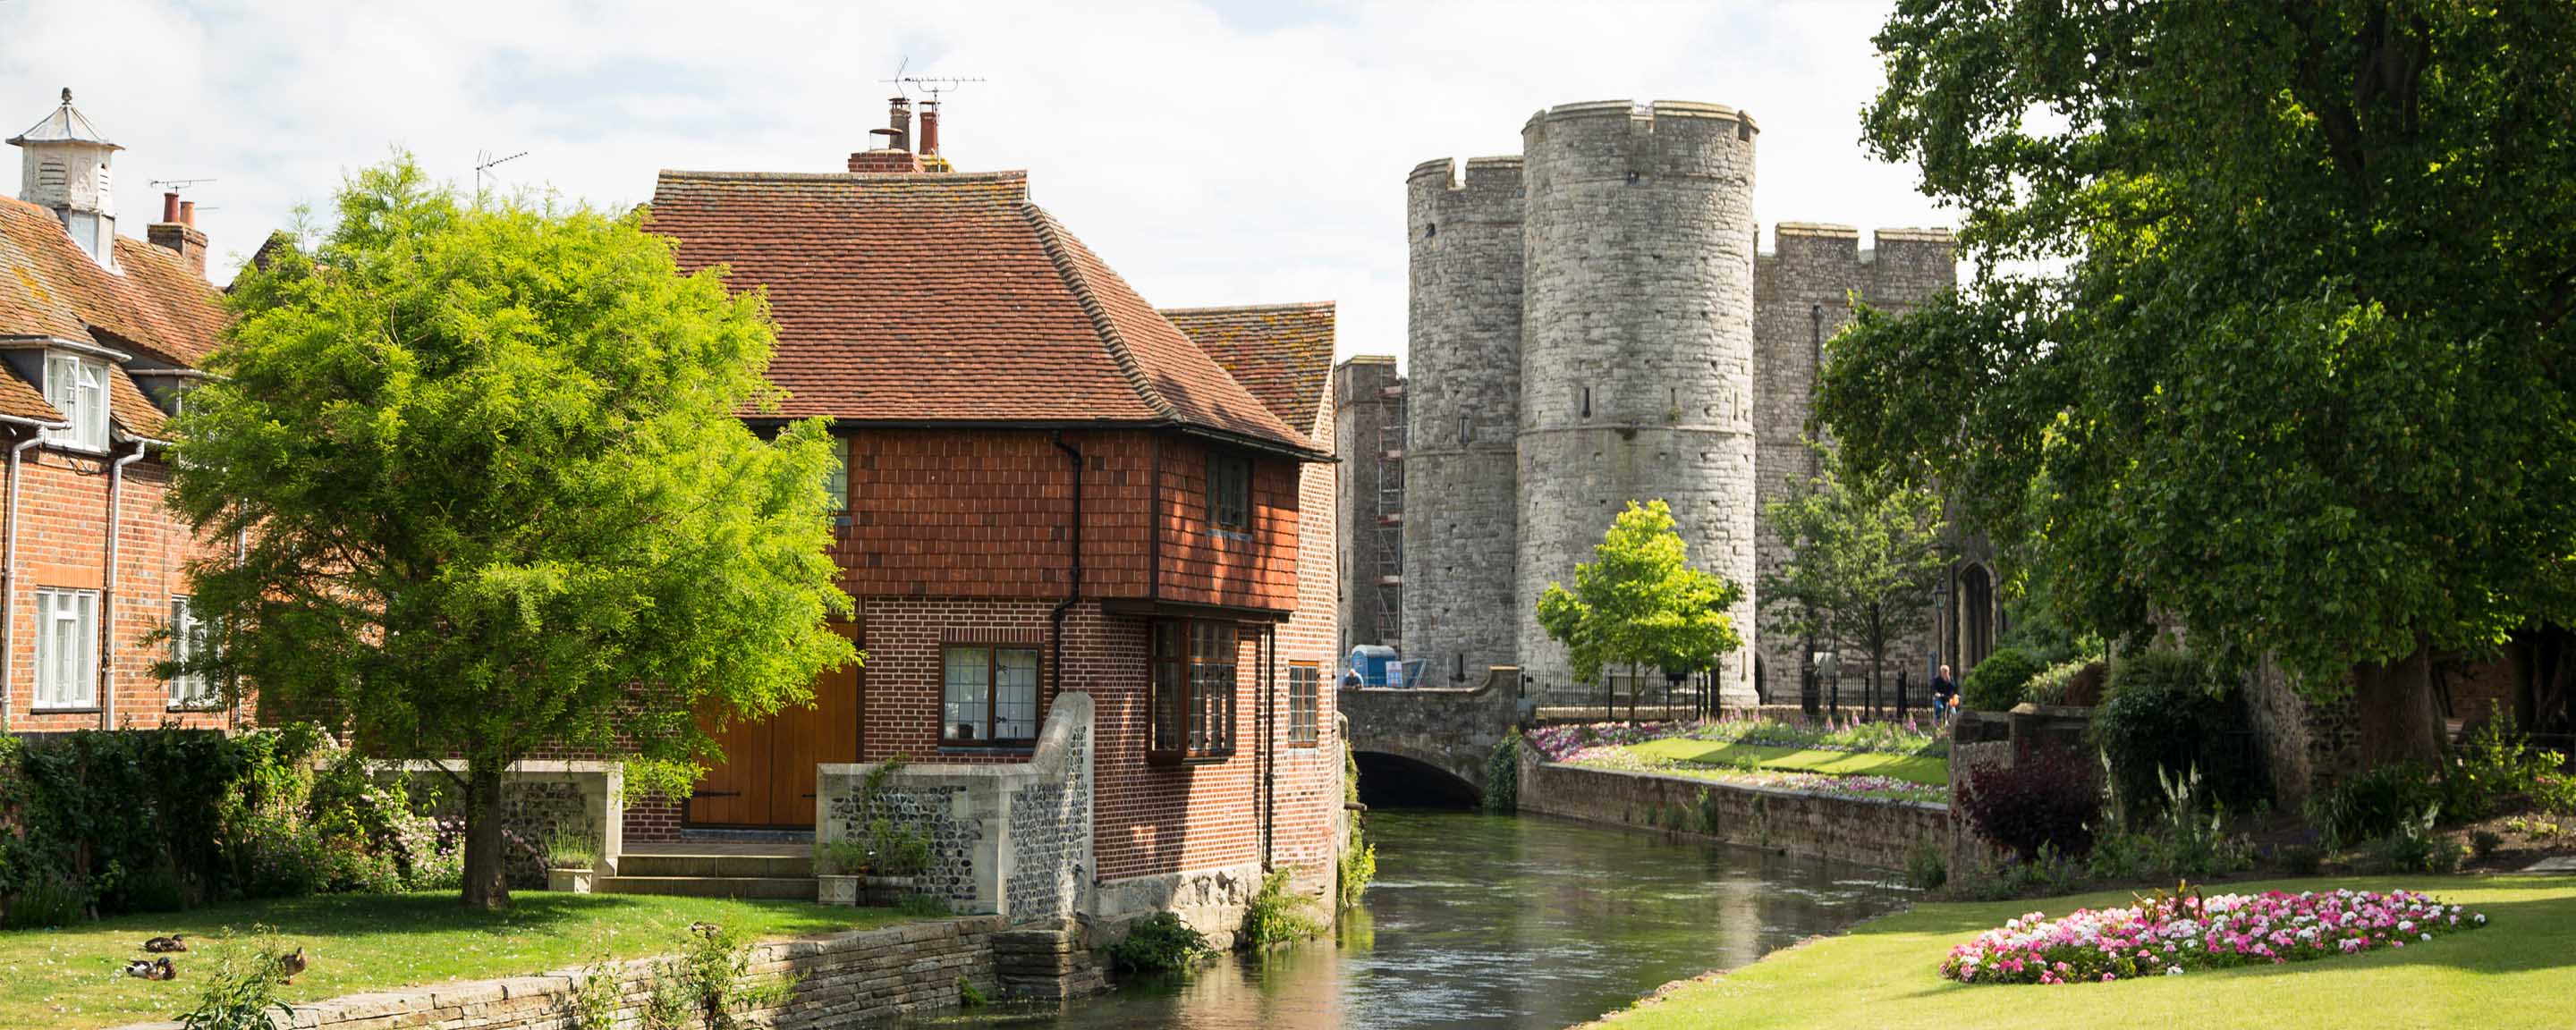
[69, 978]
[2518, 971]
[1931, 772]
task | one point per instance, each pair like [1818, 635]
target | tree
[495, 494]
[1861, 567]
[2271, 337]
[1639, 603]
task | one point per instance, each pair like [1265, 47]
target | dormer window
[77, 387]
[95, 233]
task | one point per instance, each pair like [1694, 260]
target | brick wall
[62, 507]
[1200, 565]
[982, 513]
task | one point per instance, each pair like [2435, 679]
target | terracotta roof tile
[19, 399]
[130, 409]
[946, 298]
[1283, 353]
[154, 304]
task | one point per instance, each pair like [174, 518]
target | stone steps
[799, 887]
[716, 864]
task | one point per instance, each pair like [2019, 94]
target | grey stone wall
[1050, 838]
[540, 799]
[1462, 407]
[1883, 834]
[1452, 728]
[1637, 352]
[1367, 395]
[868, 978]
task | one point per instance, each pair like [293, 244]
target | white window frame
[66, 649]
[76, 385]
[188, 689]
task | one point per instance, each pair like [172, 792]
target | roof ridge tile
[1050, 236]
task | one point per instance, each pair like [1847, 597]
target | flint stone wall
[866, 978]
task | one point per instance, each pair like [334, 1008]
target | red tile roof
[1283, 353]
[947, 298]
[153, 304]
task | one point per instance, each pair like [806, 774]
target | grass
[1929, 771]
[70, 978]
[2515, 972]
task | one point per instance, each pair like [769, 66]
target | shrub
[46, 899]
[895, 850]
[843, 857]
[2415, 847]
[241, 989]
[1996, 684]
[2300, 860]
[709, 984]
[1277, 914]
[2165, 714]
[2373, 805]
[2555, 794]
[2051, 800]
[2483, 844]
[1358, 860]
[2074, 682]
[1926, 868]
[1160, 943]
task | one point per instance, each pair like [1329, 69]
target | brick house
[1050, 488]
[99, 335]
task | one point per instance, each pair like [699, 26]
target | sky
[1214, 152]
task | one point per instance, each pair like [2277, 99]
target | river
[1495, 921]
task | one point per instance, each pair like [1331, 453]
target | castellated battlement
[1624, 141]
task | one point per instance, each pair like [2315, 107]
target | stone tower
[1637, 351]
[1462, 410]
[1592, 325]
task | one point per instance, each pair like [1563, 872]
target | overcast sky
[1214, 152]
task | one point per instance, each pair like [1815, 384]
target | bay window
[1192, 701]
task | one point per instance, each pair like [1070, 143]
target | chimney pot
[170, 206]
[929, 128]
[899, 123]
[188, 213]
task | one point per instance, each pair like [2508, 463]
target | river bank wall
[1882, 834]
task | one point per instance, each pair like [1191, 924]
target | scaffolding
[1390, 515]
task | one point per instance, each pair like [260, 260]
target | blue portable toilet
[1375, 665]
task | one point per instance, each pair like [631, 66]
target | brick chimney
[896, 156]
[177, 231]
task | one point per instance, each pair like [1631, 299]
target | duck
[705, 929]
[290, 966]
[152, 969]
[174, 942]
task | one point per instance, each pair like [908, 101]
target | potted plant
[897, 856]
[572, 861]
[839, 865]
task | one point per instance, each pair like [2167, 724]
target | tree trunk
[487, 884]
[2394, 710]
[1632, 691]
[1874, 694]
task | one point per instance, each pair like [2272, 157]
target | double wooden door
[767, 776]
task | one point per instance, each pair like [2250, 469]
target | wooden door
[767, 776]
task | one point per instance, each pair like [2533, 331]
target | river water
[1495, 921]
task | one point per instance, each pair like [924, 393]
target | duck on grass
[2167, 933]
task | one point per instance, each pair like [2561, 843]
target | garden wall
[1009, 840]
[865, 978]
[1883, 834]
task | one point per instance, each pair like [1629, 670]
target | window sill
[206, 708]
[988, 749]
[48, 710]
[1233, 535]
[1174, 758]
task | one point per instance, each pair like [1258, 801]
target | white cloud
[1216, 153]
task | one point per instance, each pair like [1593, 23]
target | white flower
[2428, 936]
[2173, 970]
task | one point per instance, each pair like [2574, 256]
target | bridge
[1429, 745]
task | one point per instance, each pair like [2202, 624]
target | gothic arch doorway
[1976, 616]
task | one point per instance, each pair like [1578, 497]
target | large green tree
[1640, 603]
[1861, 567]
[494, 495]
[2272, 332]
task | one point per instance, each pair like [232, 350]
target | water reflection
[1493, 921]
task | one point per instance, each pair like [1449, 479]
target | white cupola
[66, 170]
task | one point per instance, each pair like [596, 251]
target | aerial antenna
[931, 84]
[179, 184]
[484, 162]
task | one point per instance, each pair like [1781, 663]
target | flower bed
[2166, 934]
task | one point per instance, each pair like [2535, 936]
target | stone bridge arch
[1418, 737]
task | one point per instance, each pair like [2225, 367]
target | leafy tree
[1861, 567]
[1640, 603]
[494, 494]
[2272, 332]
